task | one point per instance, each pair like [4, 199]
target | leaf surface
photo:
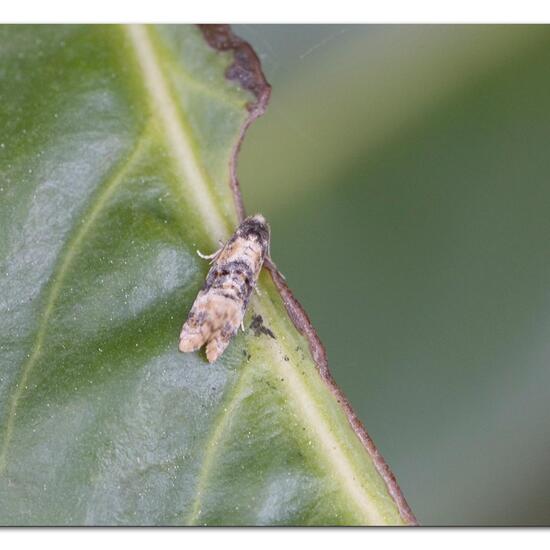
[117, 165]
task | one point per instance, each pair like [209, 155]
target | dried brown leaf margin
[247, 71]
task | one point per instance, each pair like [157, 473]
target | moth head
[255, 227]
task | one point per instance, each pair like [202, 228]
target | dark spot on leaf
[257, 325]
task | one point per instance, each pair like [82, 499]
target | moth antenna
[211, 257]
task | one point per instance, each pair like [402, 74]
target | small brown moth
[219, 307]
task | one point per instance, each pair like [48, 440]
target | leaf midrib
[194, 182]
[193, 175]
[178, 135]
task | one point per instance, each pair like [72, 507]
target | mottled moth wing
[219, 308]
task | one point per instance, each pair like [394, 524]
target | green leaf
[117, 164]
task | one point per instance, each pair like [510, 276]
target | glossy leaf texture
[116, 160]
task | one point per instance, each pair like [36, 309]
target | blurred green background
[406, 174]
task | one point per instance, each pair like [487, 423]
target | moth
[219, 308]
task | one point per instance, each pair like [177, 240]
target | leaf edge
[247, 72]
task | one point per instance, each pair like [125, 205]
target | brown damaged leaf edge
[247, 71]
